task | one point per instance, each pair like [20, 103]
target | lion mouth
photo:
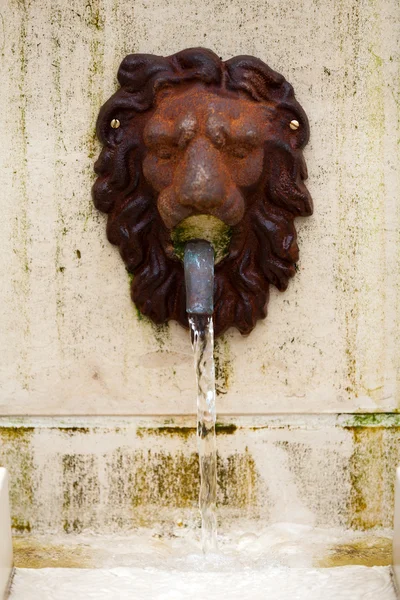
[203, 227]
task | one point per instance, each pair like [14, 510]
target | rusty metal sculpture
[189, 135]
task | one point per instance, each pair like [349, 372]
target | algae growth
[368, 552]
[205, 227]
[183, 432]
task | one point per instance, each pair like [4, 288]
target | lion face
[200, 137]
[203, 150]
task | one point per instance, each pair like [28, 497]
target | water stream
[202, 334]
[199, 279]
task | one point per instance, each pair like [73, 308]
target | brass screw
[294, 125]
[115, 123]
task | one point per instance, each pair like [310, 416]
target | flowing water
[202, 334]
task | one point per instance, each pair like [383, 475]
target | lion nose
[202, 184]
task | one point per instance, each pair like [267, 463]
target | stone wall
[71, 342]
[113, 474]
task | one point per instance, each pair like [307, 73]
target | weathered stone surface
[71, 343]
[116, 474]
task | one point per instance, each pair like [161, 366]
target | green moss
[183, 432]
[95, 92]
[375, 457]
[17, 456]
[367, 478]
[75, 526]
[160, 477]
[222, 429]
[81, 491]
[19, 433]
[94, 16]
[20, 526]
[204, 227]
[72, 430]
[153, 478]
[21, 227]
[59, 152]
[32, 553]
[223, 366]
[140, 316]
[173, 480]
[237, 481]
[368, 552]
[161, 331]
[377, 59]
[373, 420]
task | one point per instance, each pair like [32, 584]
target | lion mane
[263, 248]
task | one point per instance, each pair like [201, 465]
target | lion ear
[285, 182]
[198, 63]
[137, 70]
[255, 77]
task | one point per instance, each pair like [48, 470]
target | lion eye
[165, 153]
[239, 151]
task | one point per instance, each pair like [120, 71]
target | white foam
[253, 563]
[272, 583]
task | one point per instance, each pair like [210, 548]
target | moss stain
[183, 432]
[367, 552]
[373, 420]
[38, 553]
[20, 526]
[16, 434]
[149, 478]
[348, 24]
[16, 455]
[59, 152]
[95, 20]
[81, 492]
[71, 431]
[367, 478]
[152, 478]
[204, 227]
[173, 480]
[238, 481]
[372, 467]
[361, 194]
[20, 232]
[161, 332]
[222, 429]
[33, 553]
[373, 236]
[223, 366]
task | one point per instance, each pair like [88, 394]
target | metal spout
[199, 277]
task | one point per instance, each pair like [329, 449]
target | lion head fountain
[191, 135]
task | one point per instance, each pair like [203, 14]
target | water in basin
[280, 562]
